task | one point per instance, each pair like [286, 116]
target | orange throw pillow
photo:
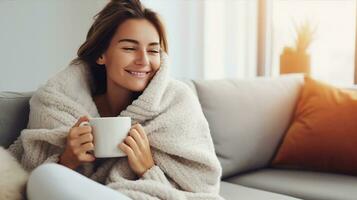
[323, 134]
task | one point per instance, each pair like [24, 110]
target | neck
[117, 99]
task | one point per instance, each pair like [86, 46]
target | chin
[137, 87]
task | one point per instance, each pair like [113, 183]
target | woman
[121, 70]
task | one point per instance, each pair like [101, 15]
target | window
[333, 49]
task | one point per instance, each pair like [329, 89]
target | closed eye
[154, 51]
[129, 49]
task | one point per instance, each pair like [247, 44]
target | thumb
[81, 119]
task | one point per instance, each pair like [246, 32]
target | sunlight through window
[332, 50]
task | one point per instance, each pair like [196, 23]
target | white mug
[108, 133]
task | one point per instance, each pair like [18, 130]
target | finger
[84, 130]
[86, 147]
[86, 157]
[138, 139]
[84, 138]
[85, 123]
[131, 142]
[78, 131]
[141, 131]
[80, 120]
[127, 150]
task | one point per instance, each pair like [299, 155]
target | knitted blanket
[186, 166]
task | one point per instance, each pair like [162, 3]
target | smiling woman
[121, 71]
[115, 34]
[132, 57]
[122, 50]
[130, 61]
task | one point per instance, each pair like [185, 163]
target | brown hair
[103, 29]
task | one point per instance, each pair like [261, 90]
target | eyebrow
[137, 42]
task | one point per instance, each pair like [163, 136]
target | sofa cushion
[13, 116]
[301, 184]
[230, 191]
[248, 118]
[322, 136]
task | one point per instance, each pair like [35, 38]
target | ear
[101, 60]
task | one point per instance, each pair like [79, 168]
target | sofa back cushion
[14, 112]
[248, 118]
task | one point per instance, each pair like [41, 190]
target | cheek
[118, 62]
[122, 59]
[156, 63]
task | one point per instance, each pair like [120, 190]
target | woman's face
[133, 55]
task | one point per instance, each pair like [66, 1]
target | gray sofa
[248, 119]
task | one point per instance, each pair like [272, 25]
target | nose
[142, 58]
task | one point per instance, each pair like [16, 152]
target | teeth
[139, 74]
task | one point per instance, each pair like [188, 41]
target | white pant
[56, 182]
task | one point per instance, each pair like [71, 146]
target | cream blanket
[186, 166]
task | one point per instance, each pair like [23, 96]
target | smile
[138, 73]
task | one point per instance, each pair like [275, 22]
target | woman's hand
[136, 146]
[79, 142]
